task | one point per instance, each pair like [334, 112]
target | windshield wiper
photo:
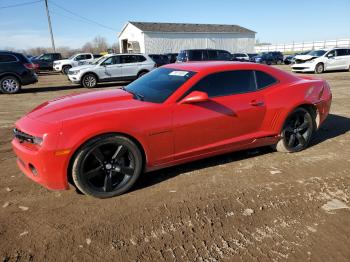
[138, 96]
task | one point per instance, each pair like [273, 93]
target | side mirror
[330, 55]
[195, 97]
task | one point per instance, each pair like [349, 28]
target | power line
[82, 17]
[20, 4]
[72, 18]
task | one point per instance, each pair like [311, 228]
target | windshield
[97, 61]
[317, 53]
[159, 84]
[71, 58]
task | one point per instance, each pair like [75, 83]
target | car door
[77, 59]
[110, 69]
[331, 61]
[130, 66]
[342, 59]
[232, 115]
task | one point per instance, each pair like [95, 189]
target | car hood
[83, 67]
[85, 105]
[305, 57]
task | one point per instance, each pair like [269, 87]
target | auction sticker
[178, 73]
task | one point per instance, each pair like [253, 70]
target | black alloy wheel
[107, 166]
[297, 131]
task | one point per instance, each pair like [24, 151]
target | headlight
[24, 137]
[75, 72]
[310, 61]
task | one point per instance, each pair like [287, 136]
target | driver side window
[226, 83]
[79, 58]
[331, 53]
[110, 61]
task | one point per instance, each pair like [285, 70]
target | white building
[158, 38]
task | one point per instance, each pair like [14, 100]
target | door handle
[257, 103]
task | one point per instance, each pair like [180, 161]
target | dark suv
[203, 55]
[159, 59]
[269, 58]
[15, 70]
[45, 61]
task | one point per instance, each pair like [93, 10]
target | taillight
[31, 66]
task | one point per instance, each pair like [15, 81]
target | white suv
[319, 61]
[76, 60]
[112, 67]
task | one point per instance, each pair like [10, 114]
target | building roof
[190, 28]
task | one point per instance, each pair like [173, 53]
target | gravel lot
[256, 205]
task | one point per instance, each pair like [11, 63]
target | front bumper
[41, 163]
[74, 79]
[57, 68]
[305, 67]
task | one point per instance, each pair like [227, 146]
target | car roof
[210, 65]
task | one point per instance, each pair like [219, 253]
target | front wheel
[10, 85]
[319, 69]
[89, 81]
[107, 166]
[297, 131]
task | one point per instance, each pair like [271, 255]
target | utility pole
[50, 27]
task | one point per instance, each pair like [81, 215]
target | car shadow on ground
[334, 126]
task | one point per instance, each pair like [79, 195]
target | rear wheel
[297, 131]
[65, 69]
[107, 166]
[10, 85]
[89, 81]
[319, 69]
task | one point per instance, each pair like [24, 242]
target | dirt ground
[256, 205]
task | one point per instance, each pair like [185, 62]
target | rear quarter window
[264, 80]
[7, 58]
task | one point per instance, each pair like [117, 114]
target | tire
[107, 166]
[319, 69]
[297, 131]
[10, 85]
[65, 69]
[89, 81]
[142, 74]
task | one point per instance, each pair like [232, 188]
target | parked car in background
[290, 59]
[160, 60]
[319, 61]
[269, 58]
[45, 61]
[112, 67]
[252, 57]
[178, 113]
[203, 55]
[16, 70]
[75, 60]
[172, 57]
[243, 57]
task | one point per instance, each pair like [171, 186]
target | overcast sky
[274, 21]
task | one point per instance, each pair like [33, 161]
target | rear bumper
[32, 79]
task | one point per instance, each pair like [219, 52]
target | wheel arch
[11, 74]
[76, 150]
[142, 71]
[311, 108]
[90, 73]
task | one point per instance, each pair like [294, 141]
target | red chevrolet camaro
[102, 141]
